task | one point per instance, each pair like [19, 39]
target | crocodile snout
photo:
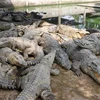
[95, 65]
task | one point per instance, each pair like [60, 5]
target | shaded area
[19, 18]
[66, 86]
[78, 22]
[4, 4]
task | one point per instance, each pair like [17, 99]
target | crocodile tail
[7, 83]
[24, 95]
[30, 92]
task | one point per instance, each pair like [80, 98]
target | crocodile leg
[31, 68]
[25, 55]
[39, 55]
[47, 95]
[76, 68]
[7, 83]
[53, 71]
[8, 78]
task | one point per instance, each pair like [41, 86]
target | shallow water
[77, 16]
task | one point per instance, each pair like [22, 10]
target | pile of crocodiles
[27, 54]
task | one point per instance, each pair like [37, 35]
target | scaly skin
[9, 33]
[69, 47]
[24, 45]
[90, 42]
[8, 76]
[82, 59]
[88, 62]
[38, 81]
[71, 32]
[12, 57]
[50, 44]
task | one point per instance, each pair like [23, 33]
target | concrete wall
[14, 3]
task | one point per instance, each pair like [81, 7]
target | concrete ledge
[18, 3]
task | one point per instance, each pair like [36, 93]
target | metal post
[84, 15]
[59, 12]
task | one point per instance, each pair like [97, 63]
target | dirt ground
[66, 86]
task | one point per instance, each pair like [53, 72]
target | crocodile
[25, 46]
[37, 82]
[90, 42]
[53, 71]
[83, 60]
[88, 62]
[4, 26]
[8, 76]
[7, 55]
[70, 47]
[50, 44]
[12, 32]
[32, 33]
[19, 16]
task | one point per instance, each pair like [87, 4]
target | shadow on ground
[66, 86]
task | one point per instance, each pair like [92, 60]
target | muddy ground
[66, 86]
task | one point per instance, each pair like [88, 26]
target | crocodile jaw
[94, 75]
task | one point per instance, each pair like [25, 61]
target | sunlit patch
[97, 76]
[94, 75]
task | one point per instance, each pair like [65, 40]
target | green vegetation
[93, 22]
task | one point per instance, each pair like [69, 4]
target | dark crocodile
[82, 59]
[90, 42]
[50, 44]
[88, 62]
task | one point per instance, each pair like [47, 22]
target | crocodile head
[94, 70]
[90, 44]
[95, 66]
[17, 59]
